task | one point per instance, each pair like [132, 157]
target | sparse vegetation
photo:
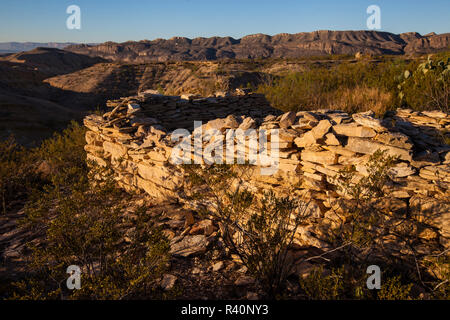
[350, 283]
[84, 223]
[363, 85]
[16, 173]
[428, 87]
[259, 229]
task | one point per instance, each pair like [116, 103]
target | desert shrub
[428, 86]
[361, 86]
[23, 170]
[17, 173]
[259, 230]
[320, 286]
[349, 282]
[359, 99]
[84, 224]
[366, 225]
[65, 149]
[439, 267]
[363, 220]
[393, 289]
[79, 222]
[334, 87]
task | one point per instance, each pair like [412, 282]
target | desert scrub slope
[354, 86]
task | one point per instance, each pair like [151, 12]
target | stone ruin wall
[133, 140]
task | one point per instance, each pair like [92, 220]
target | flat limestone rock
[133, 108]
[305, 125]
[354, 130]
[216, 124]
[367, 146]
[287, 135]
[114, 149]
[366, 119]
[155, 190]
[331, 140]
[306, 140]
[168, 282]
[440, 173]
[396, 139]
[231, 122]
[321, 129]
[322, 157]
[247, 123]
[435, 114]
[340, 150]
[96, 160]
[402, 171]
[433, 212]
[339, 118]
[189, 245]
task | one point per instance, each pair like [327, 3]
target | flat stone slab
[189, 246]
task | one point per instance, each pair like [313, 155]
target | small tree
[259, 230]
[363, 221]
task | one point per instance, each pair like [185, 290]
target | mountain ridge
[283, 45]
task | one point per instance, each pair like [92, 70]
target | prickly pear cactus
[434, 72]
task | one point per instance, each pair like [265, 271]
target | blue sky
[44, 21]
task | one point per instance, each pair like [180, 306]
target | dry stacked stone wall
[134, 141]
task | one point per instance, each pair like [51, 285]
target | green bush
[17, 173]
[120, 257]
[24, 170]
[79, 222]
[324, 87]
[364, 221]
[64, 152]
[393, 289]
[362, 85]
[259, 230]
[428, 87]
[439, 266]
[318, 286]
[350, 283]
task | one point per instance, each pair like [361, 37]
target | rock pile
[134, 141]
[134, 138]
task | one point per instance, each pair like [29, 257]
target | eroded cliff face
[428, 44]
[134, 142]
[282, 45]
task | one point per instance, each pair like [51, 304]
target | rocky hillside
[30, 109]
[282, 45]
[51, 61]
[43, 89]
